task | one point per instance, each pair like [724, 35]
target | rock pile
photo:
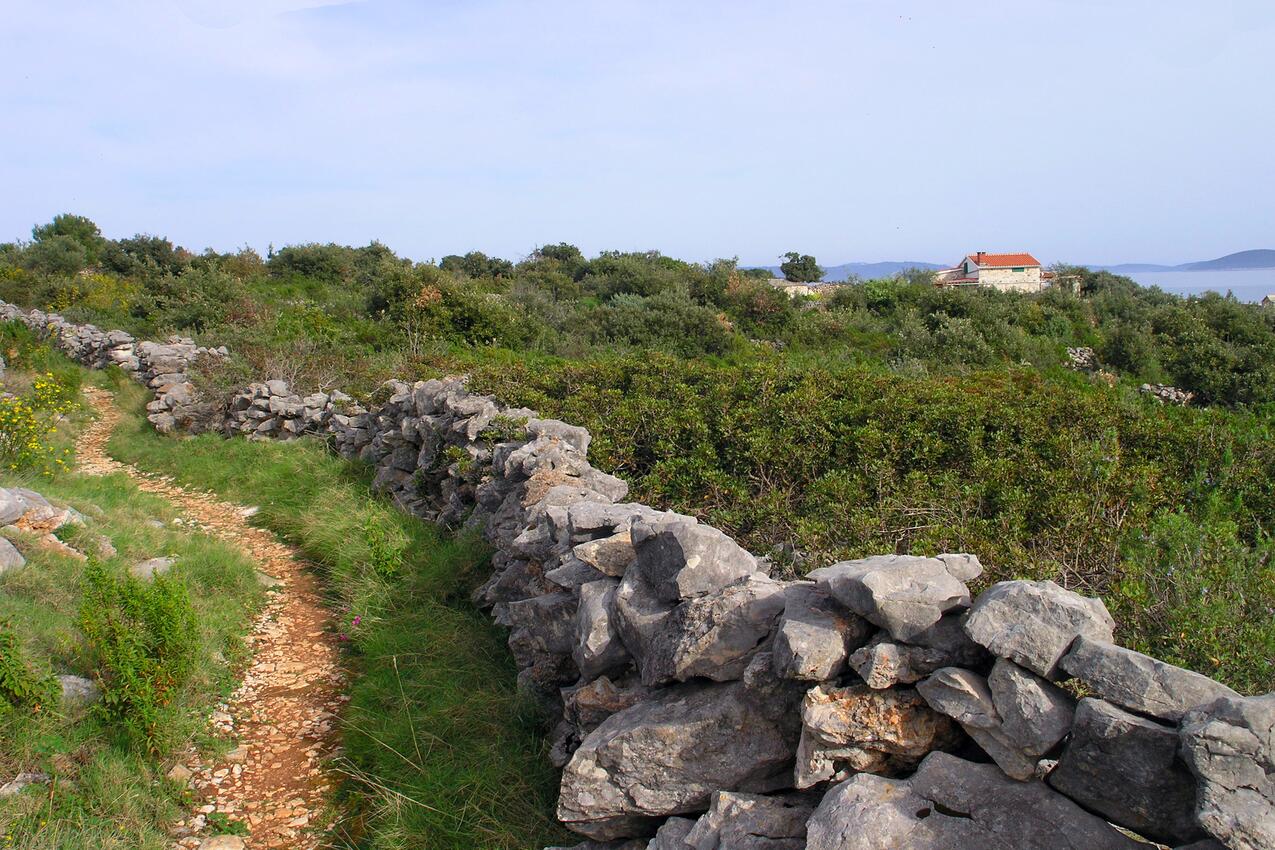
[702, 703]
[1166, 394]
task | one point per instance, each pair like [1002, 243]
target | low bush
[24, 685]
[144, 640]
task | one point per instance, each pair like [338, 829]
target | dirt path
[282, 715]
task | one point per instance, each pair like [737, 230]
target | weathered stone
[598, 646]
[11, 507]
[147, 570]
[78, 691]
[666, 756]
[1230, 747]
[672, 835]
[683, 559]
[962, 565]
[542, 638]
[584, 707]
[573, 435]
[609, 555]
[15, 785]
[222, 842]
[1014, 715]
[1033, 623]
[1126, 768]
[1139, 682]
[737, 821]
[902, 594]
[883, 663]
[814, 635]
[713, 636]
[10, 557]
[952, 804]
[573, 574]
[855, 728]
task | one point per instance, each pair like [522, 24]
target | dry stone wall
[701, 703]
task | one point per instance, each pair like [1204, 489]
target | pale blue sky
[1084, 130]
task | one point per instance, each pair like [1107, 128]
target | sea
[1246, 285]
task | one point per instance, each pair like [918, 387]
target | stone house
[1006, 272]
[1269, 300]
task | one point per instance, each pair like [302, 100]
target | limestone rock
[952, 804]
[666, 756]
[11, 507]
[1139, 682]
[856, 728]
[1126, 768]
[1033, 623]
[147, 570]
[78, 691]
[598, 646]
[10, 557]
[814, 635]
[1014, 715]
[902, 594]
[683, 559]
[15, 785]
[609, 555]
[883, 663]
[222, 842]
[1230, 747]
[672, 835]
[737, 821]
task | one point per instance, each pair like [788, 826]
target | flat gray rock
[78, 691]
[1127, 769]
[952, 804]
[1033, 623]
[672, 835]
[1139, 682]
[814, 635]
[1230, 747]
[884, 663]
[608, 555]
[666, 756]
[903, 594]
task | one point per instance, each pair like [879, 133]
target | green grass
[440, 750]
[104, 792]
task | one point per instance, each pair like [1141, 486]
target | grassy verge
[440, 751]
[105, 791]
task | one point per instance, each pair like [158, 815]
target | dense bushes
[24, 685]
[144, 642]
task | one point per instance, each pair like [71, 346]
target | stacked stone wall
[702, 703]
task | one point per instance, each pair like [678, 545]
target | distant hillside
[867, 271]
[1260, 258]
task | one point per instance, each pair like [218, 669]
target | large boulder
[1139, 682]
[856, 728]
[1014, 715]
[1034, 623]
[737, 821]
[815, 634]
[1126, 768]
[952, 804]
[683, 559]
[1230, 747]
[667, 755]
[903, 594]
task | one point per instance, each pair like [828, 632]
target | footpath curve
[283, 712]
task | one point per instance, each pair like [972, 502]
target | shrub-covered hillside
[888, 415]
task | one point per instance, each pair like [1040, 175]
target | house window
[1020, 269]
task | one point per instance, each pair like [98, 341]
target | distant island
[1259, 258]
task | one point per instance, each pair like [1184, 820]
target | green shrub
[144, 640]
[23, 684]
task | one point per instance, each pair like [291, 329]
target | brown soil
[283, 713]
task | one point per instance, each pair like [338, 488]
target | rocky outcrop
[700, 702]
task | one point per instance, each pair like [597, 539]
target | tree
[800, 268]
[67, 229]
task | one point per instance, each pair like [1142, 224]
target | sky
[1098, 131]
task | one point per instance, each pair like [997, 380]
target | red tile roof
[1004, 260]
